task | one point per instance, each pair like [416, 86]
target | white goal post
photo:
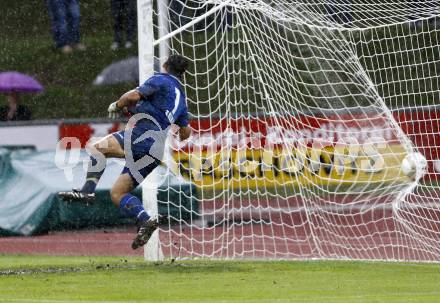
[152, 250]
[302, 113]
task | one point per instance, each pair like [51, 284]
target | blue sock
[131, 206]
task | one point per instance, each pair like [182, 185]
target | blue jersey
[163, 99]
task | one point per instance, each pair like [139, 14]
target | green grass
[95, 279]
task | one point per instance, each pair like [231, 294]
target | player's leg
[132, 206]
[109, 146]
[120, 194]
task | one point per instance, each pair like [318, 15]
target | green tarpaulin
[30, 180]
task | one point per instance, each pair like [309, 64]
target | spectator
[123, 10]
[14, 111]
[65, 19]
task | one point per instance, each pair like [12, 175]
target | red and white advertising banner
[303, 148]
[251, 140]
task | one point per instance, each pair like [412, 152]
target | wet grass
[107, 279]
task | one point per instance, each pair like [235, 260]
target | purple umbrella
[15, 81]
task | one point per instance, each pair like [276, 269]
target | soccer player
[158, 103]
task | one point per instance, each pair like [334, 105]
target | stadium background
[72, 107]
[69, 94]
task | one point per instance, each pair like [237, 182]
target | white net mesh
[302, 113]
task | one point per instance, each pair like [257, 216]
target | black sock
[94, 173]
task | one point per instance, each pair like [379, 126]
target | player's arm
[183, 123]
[133, 96]
[184, 132]
[129, 98]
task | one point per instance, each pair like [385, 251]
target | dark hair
[176, 65]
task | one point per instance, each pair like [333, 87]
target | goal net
[302, 112]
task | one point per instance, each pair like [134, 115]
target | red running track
[374, 232]
[244, 240]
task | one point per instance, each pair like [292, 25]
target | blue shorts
[138, 172]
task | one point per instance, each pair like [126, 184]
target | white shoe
[128, 44]
[66, 49]
[114, 46]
